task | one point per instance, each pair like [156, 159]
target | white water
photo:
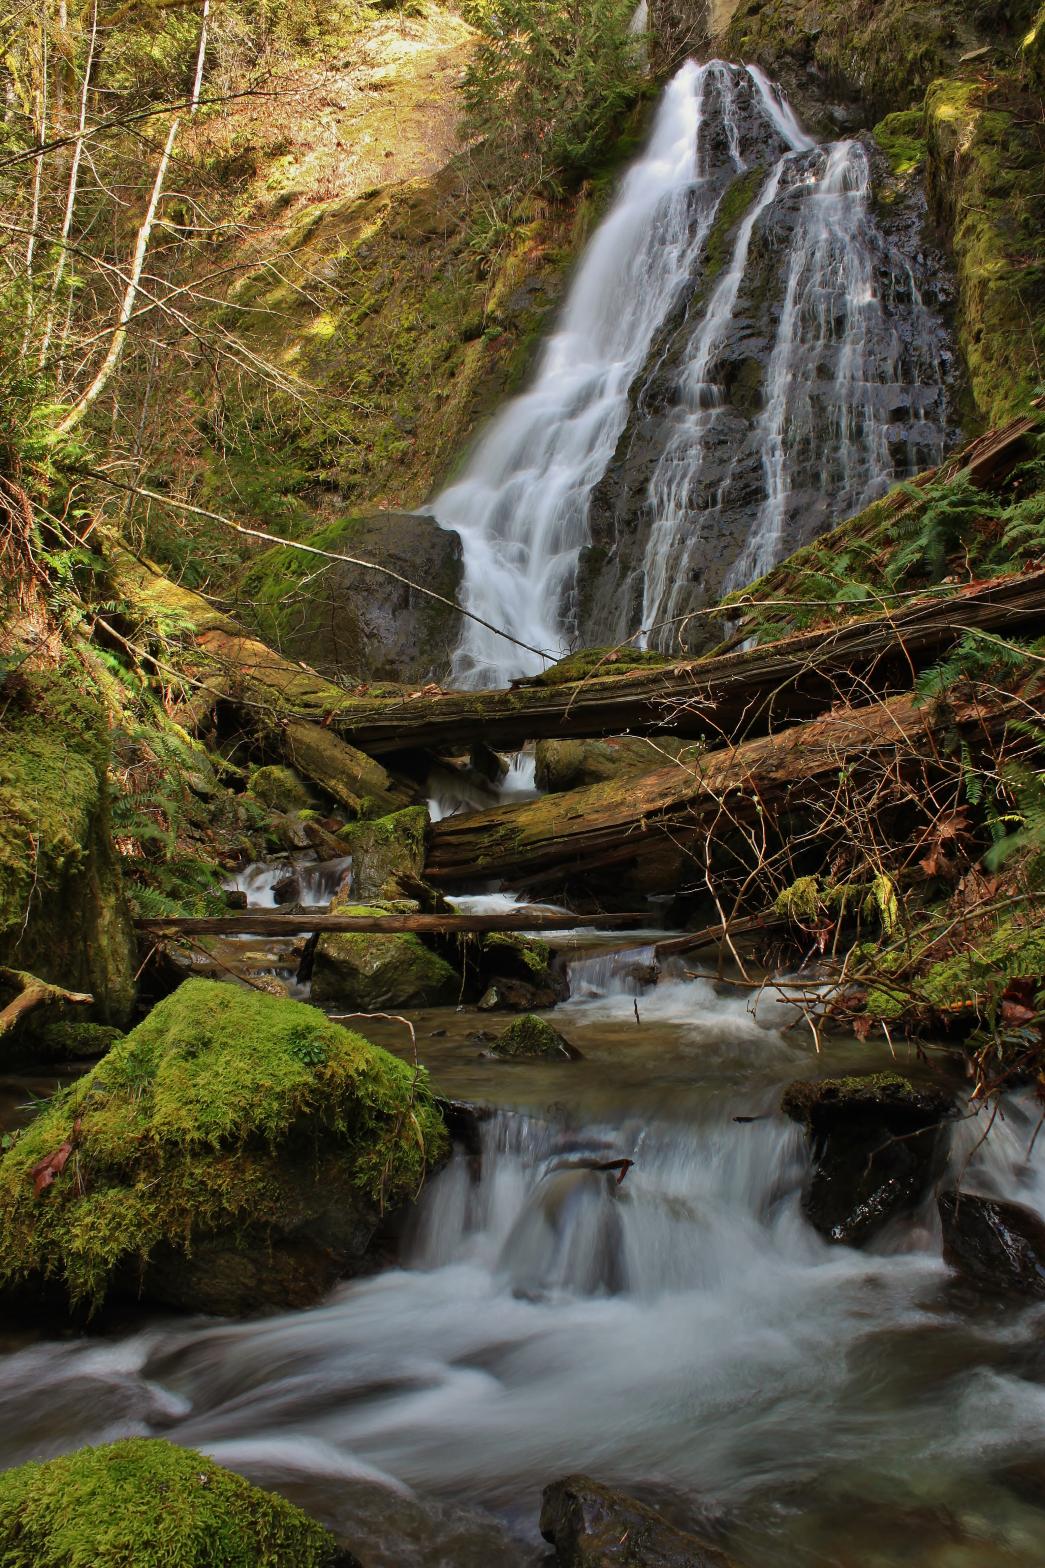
[836, 374]
[521, 506]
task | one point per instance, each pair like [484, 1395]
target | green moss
[732, 208]
[901, 136]
[508, 952]
[985, 174]
[388, 853]
[530, 1036]
[280, 788]
[178, 1131]
[72, 1039]
[600, 661]
[146, 1502]
[969, 982]
[800, 901]
[370, 972]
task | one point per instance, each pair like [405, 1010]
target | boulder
[595, 1526]
[348, 622]
[388, 855]
[515, 973]
[996, 1245]
[148, 1502]
[530, 1036]
[281, 789]
[878, 1144]
[233, 1153]
[360, 971]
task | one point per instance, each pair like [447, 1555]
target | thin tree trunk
[70, 200]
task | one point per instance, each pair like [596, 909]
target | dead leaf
[44, 1171]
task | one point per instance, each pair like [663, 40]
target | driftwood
[263, 923]
[735, 694]
[31, 993]
[616, 823]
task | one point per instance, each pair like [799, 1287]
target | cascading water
[743, 255]
[521, 506]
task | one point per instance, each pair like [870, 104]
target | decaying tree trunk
[264, 923]
[733, 695]
[615, 824]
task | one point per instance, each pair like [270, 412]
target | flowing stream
[684, 1333]
[846, 355]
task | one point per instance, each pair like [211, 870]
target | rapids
[684, 1332]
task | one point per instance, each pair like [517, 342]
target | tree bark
[619, 822]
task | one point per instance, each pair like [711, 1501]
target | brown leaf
[44, 1171]
[862, 1027]
[1016, 1013]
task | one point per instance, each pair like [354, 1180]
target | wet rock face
[594, 1526]
[346, 621]
[878, 1144]
[367, 972]
[728, 421]
[996, 1245]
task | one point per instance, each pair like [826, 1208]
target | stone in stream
[878, 1144]
[232, 1155]
[994, 1244]
[388, 855]
[368, 972]
[595, 1526]
[530, 1036]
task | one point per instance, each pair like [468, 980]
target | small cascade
[742, 359]
[308, 883]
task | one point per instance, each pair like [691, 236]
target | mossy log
[263, 923]
[618, 823]
[740, 692]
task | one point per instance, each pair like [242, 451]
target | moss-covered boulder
[63, 915]
[878, 1143]
[516, 972]
[281, 789]
[348, 621]
[530, 1036]
[73, 1040]
[147, 1503]
[233, 1153]
[388, 855]
[366, 972]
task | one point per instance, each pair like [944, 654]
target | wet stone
[878, 1144]
[595, 1526]
[997, 1245]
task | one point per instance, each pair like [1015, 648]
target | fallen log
[735, 694]
[264, 923]
[614, 824]
[31, 993]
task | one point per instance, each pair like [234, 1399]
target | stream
[685, 1334]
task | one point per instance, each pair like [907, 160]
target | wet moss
[147, 1502]
[589, 662]
[177, 1133]
[901, 136]
[731, 211]
[530, 1036]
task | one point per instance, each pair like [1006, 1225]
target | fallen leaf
[44, 1171]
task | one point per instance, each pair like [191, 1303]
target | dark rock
[595, 1526]
[388, 855]
[997, 1245]
[515, 973]
[368, 972]
[533, 1037]
[878, 1144]
[353, 623]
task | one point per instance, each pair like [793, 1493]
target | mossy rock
[281, 789]
[234, 1152]
[530, 1036]
[367, 972]
[516, 973]
[70, 1040]
[388, 855]
[878, 1144]
[901, 136]
[63, 915]
[145, 1503]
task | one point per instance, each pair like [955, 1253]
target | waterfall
[734, 242]
[521, 506]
